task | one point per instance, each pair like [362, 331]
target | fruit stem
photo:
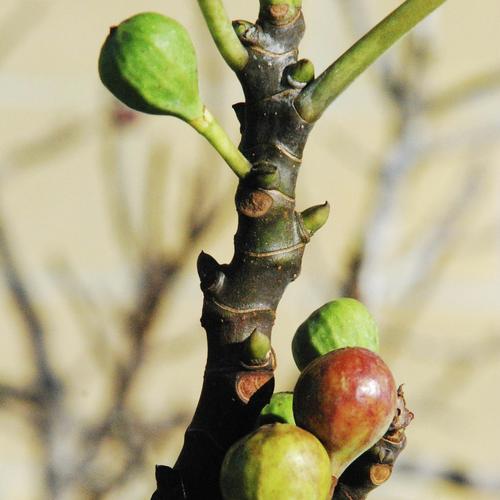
[320, 93]
[221, 29]
[209, 128]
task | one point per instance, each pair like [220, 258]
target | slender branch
[464, 92]
[316, 97]
[153, 196]
[112, 166]
[221, 29]
[11, 393]
[156, 279]
[49, 388]
[27, 312]
[209, 128]
[437, 471]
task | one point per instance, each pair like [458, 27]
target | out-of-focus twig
[20, 394]
[114, 186]
[27, 313]
[22, 18]
[427, 253]
[437, 471]
[462, 93]
[48, 387]
[153, 220]
[84, 306]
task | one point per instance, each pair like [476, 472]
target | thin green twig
[209, 128]
[221, 29]
[318, 95]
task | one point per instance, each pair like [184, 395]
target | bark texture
[242, 296]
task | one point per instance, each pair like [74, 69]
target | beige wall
[57, 159]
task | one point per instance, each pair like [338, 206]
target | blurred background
[103, 212]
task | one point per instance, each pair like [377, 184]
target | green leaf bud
[315, 217]
[256, 349]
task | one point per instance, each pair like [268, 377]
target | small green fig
[149, 63]
[278, 410]
[276, 462]
[347, 399]
[344, 322]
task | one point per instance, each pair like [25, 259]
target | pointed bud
[315, 217]
[242, 28]
[256, 349]
[240, 110]
[300, 74]
[211, 277]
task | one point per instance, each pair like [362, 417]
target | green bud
[315, 217]
[256, 348]
[149, 63]
[300, 73]
[278, 410]
[241, 27]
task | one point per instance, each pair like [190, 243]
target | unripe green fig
[344, 322]
[149, 63]
[278, 410]
[276, 462]
[347, 399]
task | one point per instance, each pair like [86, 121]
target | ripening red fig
[347, 399]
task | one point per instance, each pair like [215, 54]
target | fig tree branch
[318, 95]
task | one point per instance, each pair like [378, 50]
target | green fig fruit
[276, 462]
[278, 410]
[344, 322]
[149, 63]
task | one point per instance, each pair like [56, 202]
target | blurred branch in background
[46, 394]
[380, 271]
[403, 82]
[14, 25]
[154, 272]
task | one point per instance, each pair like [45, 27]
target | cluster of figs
[343, 402]
[345, 397]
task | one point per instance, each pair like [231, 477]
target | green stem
[221, 29]
[209, 128]
[318, 95]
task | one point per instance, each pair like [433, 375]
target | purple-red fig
[347, 399]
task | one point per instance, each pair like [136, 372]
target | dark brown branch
[243, 295]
